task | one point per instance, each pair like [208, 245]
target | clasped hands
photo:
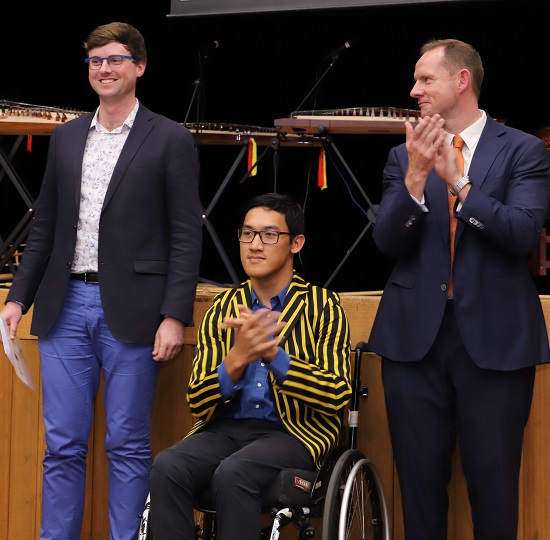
[256, 336]
[427, 150]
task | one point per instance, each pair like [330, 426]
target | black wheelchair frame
[347, 492]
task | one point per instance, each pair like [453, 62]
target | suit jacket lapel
[143, 125]
[489, 146]
[79, 141]
[295, 303]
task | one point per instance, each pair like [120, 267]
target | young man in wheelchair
[270, 377]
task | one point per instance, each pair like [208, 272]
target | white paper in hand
[14, 352]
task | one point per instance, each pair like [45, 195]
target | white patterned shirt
[100, 157]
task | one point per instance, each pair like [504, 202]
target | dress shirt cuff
[227, 388]
[421, 202]
[279, 365]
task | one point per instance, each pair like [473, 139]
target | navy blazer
[150, 229]
[497, 307]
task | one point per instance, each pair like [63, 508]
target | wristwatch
[464, 181]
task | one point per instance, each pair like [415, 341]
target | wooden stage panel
[22, 446]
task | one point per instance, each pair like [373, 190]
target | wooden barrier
[22, 438]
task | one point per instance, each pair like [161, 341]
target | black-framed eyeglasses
[246, 236]
[114, 60]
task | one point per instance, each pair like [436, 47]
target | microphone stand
[198, 83]
[205, 212]
[333, 61]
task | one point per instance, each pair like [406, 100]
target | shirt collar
[472, 133]
[279, 298]
[128, 122]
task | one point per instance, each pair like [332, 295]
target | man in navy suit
[460, 340]
[111, 265]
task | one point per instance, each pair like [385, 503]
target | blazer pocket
[149, 266]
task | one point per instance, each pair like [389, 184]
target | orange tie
[458, 143]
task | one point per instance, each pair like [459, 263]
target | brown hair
[458, 55]
[121, 33]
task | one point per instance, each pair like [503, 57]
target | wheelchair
[347, 493]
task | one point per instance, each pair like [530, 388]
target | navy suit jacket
[497, 307]
[150, 229]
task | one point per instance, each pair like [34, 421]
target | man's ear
[464, 79]
[297, 243]
[141, 69]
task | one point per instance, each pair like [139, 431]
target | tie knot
[458, 142]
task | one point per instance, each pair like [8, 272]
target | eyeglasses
[114, 61]
[246, 236]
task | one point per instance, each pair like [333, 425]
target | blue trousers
[73, 354]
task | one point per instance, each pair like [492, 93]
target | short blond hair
[459, 55]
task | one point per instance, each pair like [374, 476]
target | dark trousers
[444, 396]
[238, 460]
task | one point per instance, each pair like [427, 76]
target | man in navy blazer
[460, 340]
[111, 265]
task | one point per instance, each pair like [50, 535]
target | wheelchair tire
[355, 507]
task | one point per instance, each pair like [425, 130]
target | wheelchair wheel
[355, 507]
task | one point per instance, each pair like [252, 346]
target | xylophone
[26, 119]
[353, 120]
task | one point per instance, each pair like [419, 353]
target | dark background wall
[264, 66]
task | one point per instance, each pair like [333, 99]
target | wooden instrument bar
[230, 135]
[25, 119]
[235, 134]
[27, 126]
[354, 121]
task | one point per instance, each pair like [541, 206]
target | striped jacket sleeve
[213, 344]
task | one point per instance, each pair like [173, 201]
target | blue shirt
[253, 399]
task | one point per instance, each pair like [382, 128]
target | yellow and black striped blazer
[317, 387]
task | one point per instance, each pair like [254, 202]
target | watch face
[464, 181]
[459, 185]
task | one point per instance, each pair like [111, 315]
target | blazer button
[67, 265]
[443, 287]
